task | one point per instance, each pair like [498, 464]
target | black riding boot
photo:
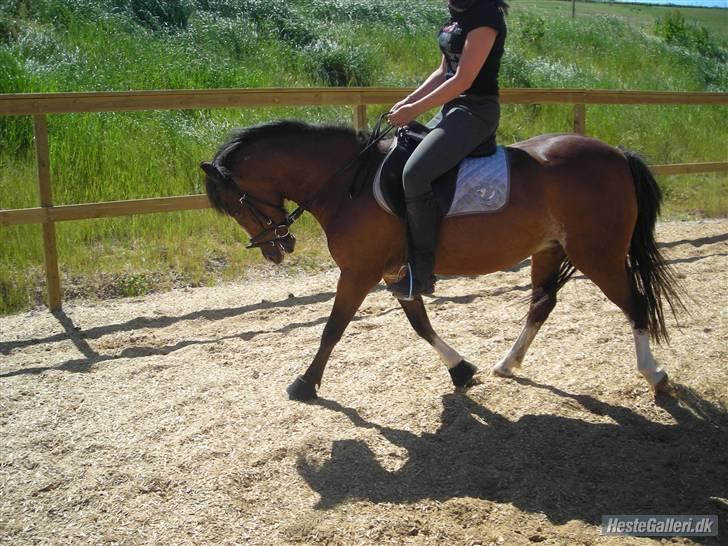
[423, 225]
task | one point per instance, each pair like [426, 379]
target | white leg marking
[515, 356]
[449, 356]
[646, 364]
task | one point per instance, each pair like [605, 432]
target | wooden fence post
[42, 155]
[360, 117]
[580, 119]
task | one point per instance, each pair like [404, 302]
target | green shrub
[514, 70]
[9, 29]
[134, 284]
[59, 13]
[675, 30]
[340, 66]
[415, 13]
[276, 15]
[223, 8]
[16, 134]
[160, 14]
[532, 29]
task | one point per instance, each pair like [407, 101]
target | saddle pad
[483, 186]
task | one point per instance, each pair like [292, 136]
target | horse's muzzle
[275, 251]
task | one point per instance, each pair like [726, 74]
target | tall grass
[64, 45]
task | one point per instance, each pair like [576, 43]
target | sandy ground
[164, 419]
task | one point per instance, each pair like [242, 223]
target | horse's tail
[652, 275]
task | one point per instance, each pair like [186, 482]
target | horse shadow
[72, 332]
[563, 467]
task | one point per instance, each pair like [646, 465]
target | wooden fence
[41, 104]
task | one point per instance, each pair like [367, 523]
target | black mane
[284, 128]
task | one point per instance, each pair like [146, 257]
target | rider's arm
[478, 44]
[430, 84]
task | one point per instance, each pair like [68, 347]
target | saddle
[389, 177]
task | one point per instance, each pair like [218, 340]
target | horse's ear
[211, 170]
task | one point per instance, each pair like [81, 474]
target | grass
[62, 45]
[641, 15]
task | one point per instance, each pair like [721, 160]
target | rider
[466, 86]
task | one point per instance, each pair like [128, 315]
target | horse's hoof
[301, 390]
[663, 385]
[462, 374]
[502, 370]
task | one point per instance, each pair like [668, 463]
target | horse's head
[259, 212]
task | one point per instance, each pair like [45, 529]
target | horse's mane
[242, 138]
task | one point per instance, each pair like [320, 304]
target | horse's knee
[331, 336]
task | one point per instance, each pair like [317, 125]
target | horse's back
[559, 150]
[565, 189]
[574, 166]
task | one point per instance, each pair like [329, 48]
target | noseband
[280, 231]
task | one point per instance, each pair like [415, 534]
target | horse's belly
[484, 243]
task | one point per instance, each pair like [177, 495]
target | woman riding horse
[466, 86]
[575, 203]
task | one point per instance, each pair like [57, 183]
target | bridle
[282, 231]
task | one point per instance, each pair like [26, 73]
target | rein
[282, 231]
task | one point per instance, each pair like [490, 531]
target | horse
[576, 203]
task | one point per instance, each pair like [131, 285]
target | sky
[707, 3]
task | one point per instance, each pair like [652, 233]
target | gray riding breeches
[461, 126]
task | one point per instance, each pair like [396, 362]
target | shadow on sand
[563, 467]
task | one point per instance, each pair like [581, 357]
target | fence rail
[66, 103]
[39, 105]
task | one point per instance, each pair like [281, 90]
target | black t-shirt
[452, 40]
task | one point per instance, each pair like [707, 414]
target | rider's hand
[400, 104]
[402, 115]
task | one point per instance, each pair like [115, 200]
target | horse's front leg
[351, 290]
[461, 371]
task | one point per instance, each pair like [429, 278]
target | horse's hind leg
[461, 371]
[545, 283]
[618, 285]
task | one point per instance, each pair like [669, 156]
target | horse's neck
[319, 180]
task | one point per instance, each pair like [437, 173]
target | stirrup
[403, 289]
[407, 289]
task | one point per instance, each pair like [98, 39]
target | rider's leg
[459, 131]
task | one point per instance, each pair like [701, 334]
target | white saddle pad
[483, 185]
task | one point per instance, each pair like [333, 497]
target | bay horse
[576, 203]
